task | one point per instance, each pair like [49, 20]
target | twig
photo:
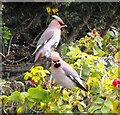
[9, 46]
[37, 111]
[16, 77]
[36, 38]
[2, 55]
[21, 59]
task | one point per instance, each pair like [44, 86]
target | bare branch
[9, 46]
[2, 55]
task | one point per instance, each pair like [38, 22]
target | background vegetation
[90, 44]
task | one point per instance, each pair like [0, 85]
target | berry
[116, 82]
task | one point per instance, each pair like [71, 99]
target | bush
[96, 63]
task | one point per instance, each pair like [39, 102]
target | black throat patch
[57, 64]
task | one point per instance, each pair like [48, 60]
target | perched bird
[64, 74]
[50, 38]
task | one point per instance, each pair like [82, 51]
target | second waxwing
[64, 74]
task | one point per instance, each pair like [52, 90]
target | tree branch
[110, 22]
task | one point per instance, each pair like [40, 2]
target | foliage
[36, 74]
[93, 62]
[6, 34]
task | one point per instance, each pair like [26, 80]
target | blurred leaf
[105, 110]
[65, 95]
[80, 108]
[37, 93]
[98, 51]
[23, 95]
[108, 104]
[20, 109]
[15, 96]
[99, 41]
[99, 101]
[85, 71]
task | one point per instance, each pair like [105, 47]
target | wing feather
[72, 74]
[45, 37]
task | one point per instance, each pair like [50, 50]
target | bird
[64, 74]
[50, 38]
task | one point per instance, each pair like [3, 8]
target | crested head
[58, 19]
[55, 56]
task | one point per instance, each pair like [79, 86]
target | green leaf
[98, 51]
[65, 95]
[105, 110]
[23, 95]
[96, 107]
[90, 110]
[85, 71]
[80, 108]
[108, 104]
[55, 107]
[96, 75]
[99, 101]
[37, 93]
[15, 96]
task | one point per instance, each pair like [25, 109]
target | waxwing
[50, 38]
[64, 74]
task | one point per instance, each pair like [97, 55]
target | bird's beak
[63, 26]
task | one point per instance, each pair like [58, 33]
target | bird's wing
[45, 37]
[72, 74]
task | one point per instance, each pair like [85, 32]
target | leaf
[65, 95]
[20, 109]
[95, 51]
[27, 75]
[108, 104]
[99, 101]
[105, 110]
[85, 71]
[15, 96]
[99, 41]
[37, 93]
[23, 95]
[115, 106]
[30, 104]
[90, 110]
[4, 100]
[117, 56]
[96, 107]
[100, 66]
[96, 75]
[54, 107]
[80, 108]
[98, 52]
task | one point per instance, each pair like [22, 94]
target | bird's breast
[60, 77]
